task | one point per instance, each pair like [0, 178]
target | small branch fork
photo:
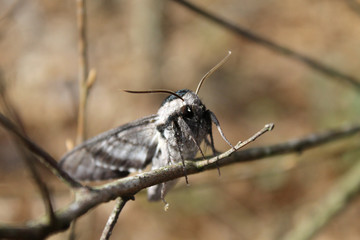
[240, 144]
[88, 198]
[120, 203]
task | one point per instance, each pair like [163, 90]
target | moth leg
[188, 129]
[217, 124]
[163, 193]
[178, 142]
[159, 191]
[211, 144]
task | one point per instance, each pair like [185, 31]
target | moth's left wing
[114, 153]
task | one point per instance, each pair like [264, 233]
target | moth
[172, 135]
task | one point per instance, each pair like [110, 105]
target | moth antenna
[156, 91]
[208, 74]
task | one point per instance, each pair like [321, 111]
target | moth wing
[114, 153]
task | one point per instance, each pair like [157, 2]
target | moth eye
[187, 112]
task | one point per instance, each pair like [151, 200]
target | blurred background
[160, 44]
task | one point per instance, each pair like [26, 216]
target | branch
[85, 82]
[83, 68]
[87, 198]
[315, 65]
[48, 160]
[336, 200]
[215, 160]
[86, 79]
[291, 146]
[354, 6]
[10, 11]
[120, 203]
[43, 188]
[28, 158]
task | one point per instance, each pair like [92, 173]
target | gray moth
[172, 135]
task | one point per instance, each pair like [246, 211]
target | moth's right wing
[114, 153]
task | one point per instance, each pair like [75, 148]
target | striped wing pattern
[115, 153]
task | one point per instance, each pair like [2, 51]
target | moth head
[189, 106]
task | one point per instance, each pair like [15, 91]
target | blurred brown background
[160, 44]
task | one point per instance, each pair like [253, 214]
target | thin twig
[27, 157]
[346, 188]
[72, 232]
[291, 146]
[315, 65]
[85, 82]
[87, 199]
[10, 10]
[239, 145]
[43, 189]
[83, 69]
[48, 160]
[120, 203]
[354, 5]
